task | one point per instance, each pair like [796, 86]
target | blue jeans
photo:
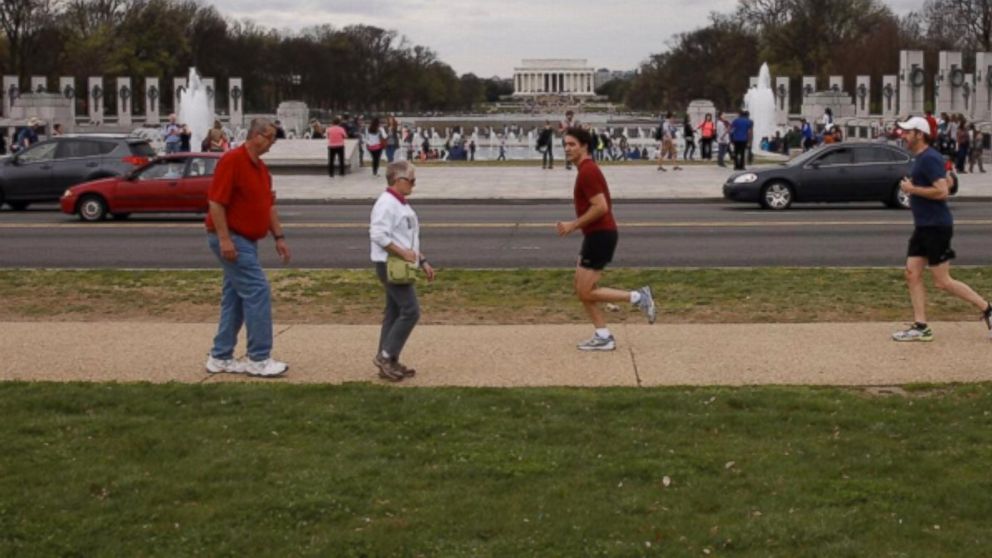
[244, 300]
[171, 147]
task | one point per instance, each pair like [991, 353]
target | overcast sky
[490, 37]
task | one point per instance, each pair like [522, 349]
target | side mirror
[814, 165]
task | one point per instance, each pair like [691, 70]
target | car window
[73, 149]
[38, 153]
[162, 170]
[142, 149]
[201, 166]
[872, 155]
[840, 156]
[897, 155]
[106, 147]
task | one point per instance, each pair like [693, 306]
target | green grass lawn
[269, 469]
[506, 296]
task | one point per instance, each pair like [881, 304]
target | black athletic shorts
[597, 249]
[932, 243]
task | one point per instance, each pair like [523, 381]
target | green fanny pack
[400, 271]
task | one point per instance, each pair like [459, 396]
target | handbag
[400, 271]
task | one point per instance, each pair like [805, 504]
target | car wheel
[92, 208]
[777, 196]
[18, 206]
[899, 199]
[121, 216]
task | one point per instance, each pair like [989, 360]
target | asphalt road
[506, 236]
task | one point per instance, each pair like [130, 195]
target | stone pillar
[236, 102]
[67, 88]
[39, 84]
[837, 84]
[948, 83]
[11, 90]
[178, 86]
[968, 96]
[125, 98]
[153, 94]
[911, 83]
[890, 96]
[94, 99]
[210, 84]
[809, 86]
[862, 96]
[782, 99]
[983, 86]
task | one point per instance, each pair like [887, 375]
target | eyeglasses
[410, 180]
[270, 137]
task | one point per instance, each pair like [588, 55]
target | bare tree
[21, 21]
[964, 24]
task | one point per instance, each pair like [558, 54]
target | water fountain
[760, 102]
[194, 109]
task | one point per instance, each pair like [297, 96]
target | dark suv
[44, 171]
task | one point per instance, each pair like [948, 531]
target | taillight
[135, 160]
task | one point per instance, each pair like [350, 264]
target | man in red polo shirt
[242, 212]
[594, 216]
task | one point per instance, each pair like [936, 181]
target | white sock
[635, 297]
[384, 355]
[603, 333]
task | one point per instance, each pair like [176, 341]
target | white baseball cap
[916, 123]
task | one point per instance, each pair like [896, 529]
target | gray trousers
[401, 314]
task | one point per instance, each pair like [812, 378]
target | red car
[172, 184]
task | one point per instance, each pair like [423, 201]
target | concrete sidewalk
[847, 354]
[488, 183]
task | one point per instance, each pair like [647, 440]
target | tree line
[354, 68]
[802, 37]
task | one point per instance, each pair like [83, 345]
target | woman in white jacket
[394, 230]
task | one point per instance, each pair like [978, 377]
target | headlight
[746, 178]
[67, 194]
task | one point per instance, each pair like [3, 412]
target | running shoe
[914, 333]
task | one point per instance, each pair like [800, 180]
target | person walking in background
[929, 188]
[392, 138]
[707, 133]
[336, 135]
[394, 231]
[217, 139]
[977, 147]
[408, 142]
[545, 144]
[375, 139]
[502, 148]
[594, 217]
[963, 139]
[170, 134]
[471, 149]
[242, 212]
[280, 131]
[185, 139]
[569, 122]
[722, 139]
[808, 138]
[689, 135]
[741, 134]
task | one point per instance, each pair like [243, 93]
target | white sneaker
[267, 368]
[224, 365]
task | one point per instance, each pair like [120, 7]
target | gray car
[840, 172]
[44, 171]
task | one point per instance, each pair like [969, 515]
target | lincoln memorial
[551, 76]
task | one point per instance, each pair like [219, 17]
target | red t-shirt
[244, 188]
[590, 182]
